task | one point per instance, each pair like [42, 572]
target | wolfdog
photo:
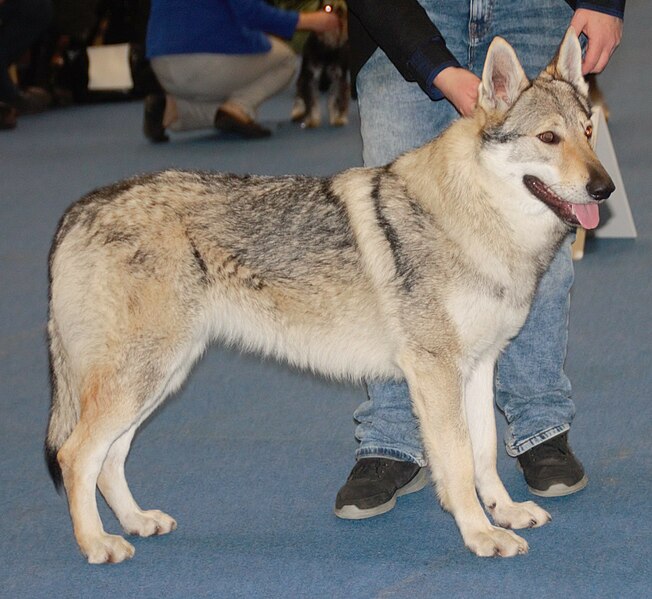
[422, 269]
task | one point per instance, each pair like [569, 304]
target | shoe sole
[560, 490]
[352, 512]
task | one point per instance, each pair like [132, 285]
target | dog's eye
[588, 131]
[548, 137]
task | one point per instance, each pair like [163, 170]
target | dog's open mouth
[584, 215]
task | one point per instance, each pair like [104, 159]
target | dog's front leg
[338, 99]
[306, 107]
[436, 387]
[478, 401]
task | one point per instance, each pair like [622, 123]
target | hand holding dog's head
[567, 63]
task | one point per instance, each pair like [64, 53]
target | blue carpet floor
[249, 455]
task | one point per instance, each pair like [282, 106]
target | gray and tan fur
[422, 269]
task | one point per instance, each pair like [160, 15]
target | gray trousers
[200, 83]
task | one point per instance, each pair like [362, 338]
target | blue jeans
[531, 387]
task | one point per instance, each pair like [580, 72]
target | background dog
[422, 269]
[324, 68]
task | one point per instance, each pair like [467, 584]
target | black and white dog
[324, 67]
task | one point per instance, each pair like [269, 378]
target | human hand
[460, 86]
[604, 33]
[319, 21]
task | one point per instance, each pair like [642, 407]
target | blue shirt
[215, 26]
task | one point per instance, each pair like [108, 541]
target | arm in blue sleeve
[260, 16]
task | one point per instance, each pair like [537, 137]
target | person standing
[441, 45]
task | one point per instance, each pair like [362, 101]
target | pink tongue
[587, 214]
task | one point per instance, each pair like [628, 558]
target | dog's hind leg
[478, 399]
[103, 419]
[113, 486]
[436, 390]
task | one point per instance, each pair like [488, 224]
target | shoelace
[549, 449]
[375, 467]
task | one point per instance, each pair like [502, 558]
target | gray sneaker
[373, 486]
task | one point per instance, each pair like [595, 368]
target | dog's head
[339, 37]
[538, 133]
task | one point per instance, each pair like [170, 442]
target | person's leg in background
[207, 90]
[21, 22]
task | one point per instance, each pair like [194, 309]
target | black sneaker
[373, 486]
[551, 470]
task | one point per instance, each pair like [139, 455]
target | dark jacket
[412, 41]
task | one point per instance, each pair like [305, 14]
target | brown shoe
[248, 128]
[153, 118]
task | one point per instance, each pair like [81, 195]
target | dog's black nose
[600, 188]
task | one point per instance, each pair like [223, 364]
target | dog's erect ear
[503, 77]
[567, 63]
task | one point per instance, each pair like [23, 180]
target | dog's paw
[339, 120]
[298, 110]
[519, 515]
[107, 549]
[149, 523]
[495, 542]
[311, 122]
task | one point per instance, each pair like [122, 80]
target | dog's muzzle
[585, 215]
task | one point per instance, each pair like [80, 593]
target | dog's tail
[64, 407]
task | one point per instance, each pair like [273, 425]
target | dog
[422, 269]
[324, 67]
